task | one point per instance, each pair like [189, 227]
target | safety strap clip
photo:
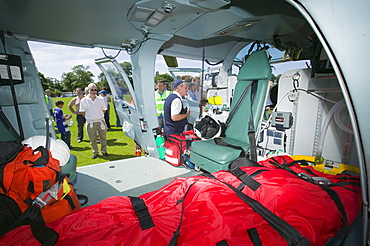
[315, 180]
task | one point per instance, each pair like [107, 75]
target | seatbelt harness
[219, 141]
[251, 131]
[238, 103]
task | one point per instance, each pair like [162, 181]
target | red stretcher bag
[274, 202]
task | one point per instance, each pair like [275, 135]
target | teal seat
[212, 157]
[70, 169]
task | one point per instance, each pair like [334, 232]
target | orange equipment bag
[67, 202]
[33, 177]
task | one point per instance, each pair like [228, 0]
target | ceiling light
[236, 27]
[157, 17]
[141, 14]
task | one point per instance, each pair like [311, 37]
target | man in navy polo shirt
[174, 112]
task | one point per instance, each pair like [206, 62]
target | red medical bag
[177, 145]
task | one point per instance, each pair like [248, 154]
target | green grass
[119, 145]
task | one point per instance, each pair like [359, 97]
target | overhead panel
[213, 22]
[216, 49]
[214, 4]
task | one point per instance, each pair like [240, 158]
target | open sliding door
[124, 99]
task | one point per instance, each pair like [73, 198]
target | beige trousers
[92, 129]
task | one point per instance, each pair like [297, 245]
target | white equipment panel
[309, 112]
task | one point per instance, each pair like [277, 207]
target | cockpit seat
[212, 157]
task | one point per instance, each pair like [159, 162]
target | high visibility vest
[159, 100]
[49, 102]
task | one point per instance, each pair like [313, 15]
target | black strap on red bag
[12, 217]
[333, 195]
[142, 213]
[222, 243]
[255, 238]
[235, 168]
[176, 234]
[285, 230]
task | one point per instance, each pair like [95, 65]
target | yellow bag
[328, 168]
[215, 100]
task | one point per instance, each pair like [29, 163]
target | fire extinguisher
[160, 146]
[137, 150]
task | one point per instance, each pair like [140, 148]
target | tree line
[80, 77]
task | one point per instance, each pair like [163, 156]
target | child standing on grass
[61, 121]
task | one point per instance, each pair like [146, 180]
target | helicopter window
[121, 87]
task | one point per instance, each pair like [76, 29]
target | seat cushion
[207, 164]
[218, 153]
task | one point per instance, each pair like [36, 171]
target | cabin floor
[128, 177]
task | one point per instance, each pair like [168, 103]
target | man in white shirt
[93, 108]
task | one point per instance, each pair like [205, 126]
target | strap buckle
[315, 180]
[321, 181]
[42, 200]
[44, 197]
[332, 164]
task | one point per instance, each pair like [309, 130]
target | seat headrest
[256, 67]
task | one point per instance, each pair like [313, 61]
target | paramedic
[93, 108]
[49, 101]
[160, 96]
[174, 113]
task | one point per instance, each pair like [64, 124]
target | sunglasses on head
[93, 89]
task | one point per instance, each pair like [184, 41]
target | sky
[53, 60]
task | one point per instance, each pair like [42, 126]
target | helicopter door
[124, 98]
